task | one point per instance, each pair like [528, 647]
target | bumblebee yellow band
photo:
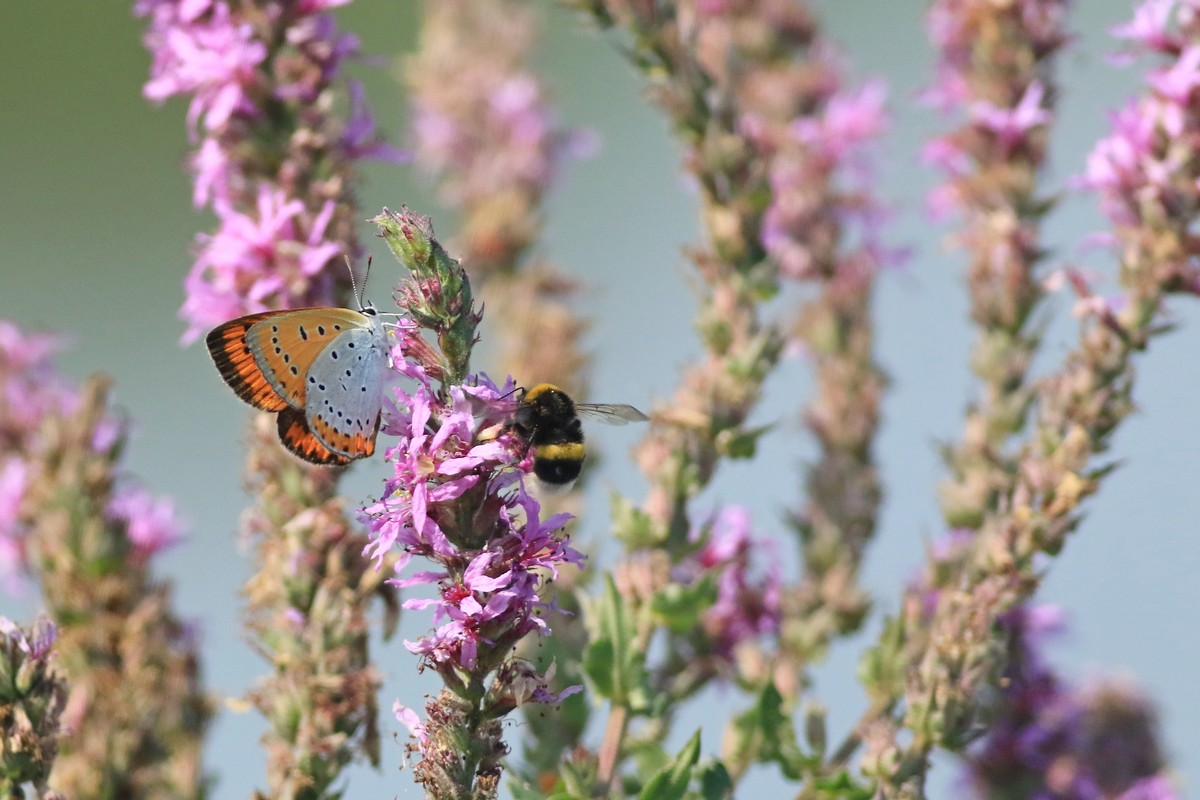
[571, 451]
[541, 388]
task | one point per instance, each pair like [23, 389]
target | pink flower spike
[1150, 25]
[1177, 83]
[1011, 125]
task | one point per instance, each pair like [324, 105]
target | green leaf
[881, 670]
[671, 782]
[615, 668]
[523, 791]
[843, 786]
[632, 526]
[741, 443]
[715, 783]
[679, 608]
[764, 734]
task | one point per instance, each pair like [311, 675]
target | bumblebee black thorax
[548, 421]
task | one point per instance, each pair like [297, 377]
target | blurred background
[96, 227]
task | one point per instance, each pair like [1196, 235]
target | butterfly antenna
[353, 283]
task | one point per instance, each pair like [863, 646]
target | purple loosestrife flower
[202, 49]
[489, 576]
[747, 605]
[823, 149]
[1011, 125]
[32, 394]
[457, 498]
[255, 261]
[149, 521]
[1144, 169]
[273, 162]
[33, 696]
[1049, 740]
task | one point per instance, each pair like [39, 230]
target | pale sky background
[95, 230]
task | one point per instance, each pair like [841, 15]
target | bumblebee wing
[612, 414]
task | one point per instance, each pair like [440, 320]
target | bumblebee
[548, 420]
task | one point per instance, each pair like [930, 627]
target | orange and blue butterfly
[321, 369]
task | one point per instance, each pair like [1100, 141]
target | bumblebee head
[544, 403]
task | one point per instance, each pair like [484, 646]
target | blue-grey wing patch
[345, 392]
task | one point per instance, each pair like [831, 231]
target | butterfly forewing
[287, 344]
[345, 391]
[238, 366]
[611, 413]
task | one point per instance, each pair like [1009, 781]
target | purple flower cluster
[1006, 109]
[747, 606]
[954, 29]
[1051, 741]
[1144, 170]
[514, 128]
[458, 498]
[150, 522]
[275, 186]
[35, 644]
[34, 394]
[823, 150]
[31, 391]
[480, 120]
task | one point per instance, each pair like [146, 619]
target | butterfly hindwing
[296, 437]
[344, 393]
[236, 362]
[287, 344]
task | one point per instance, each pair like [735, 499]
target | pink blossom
[36, 643]
[149, 521]
[213, 57]
[1150, 26]
[1154, 787]
[748, 604]
[271, 258]
[849, 119]
[273, 179]
[488, 578]
[1177, 82]
[411, 720]
[1011, 125]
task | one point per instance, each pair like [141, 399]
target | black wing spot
[321, 386]
[311, 379]
[334, 354]
[295, 370]
[337, 327]
[286, 358]
[303, 333]
[347, 373]
[350, 345]
[274, 329]
[321, 329]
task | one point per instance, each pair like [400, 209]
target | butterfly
[321, 369]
